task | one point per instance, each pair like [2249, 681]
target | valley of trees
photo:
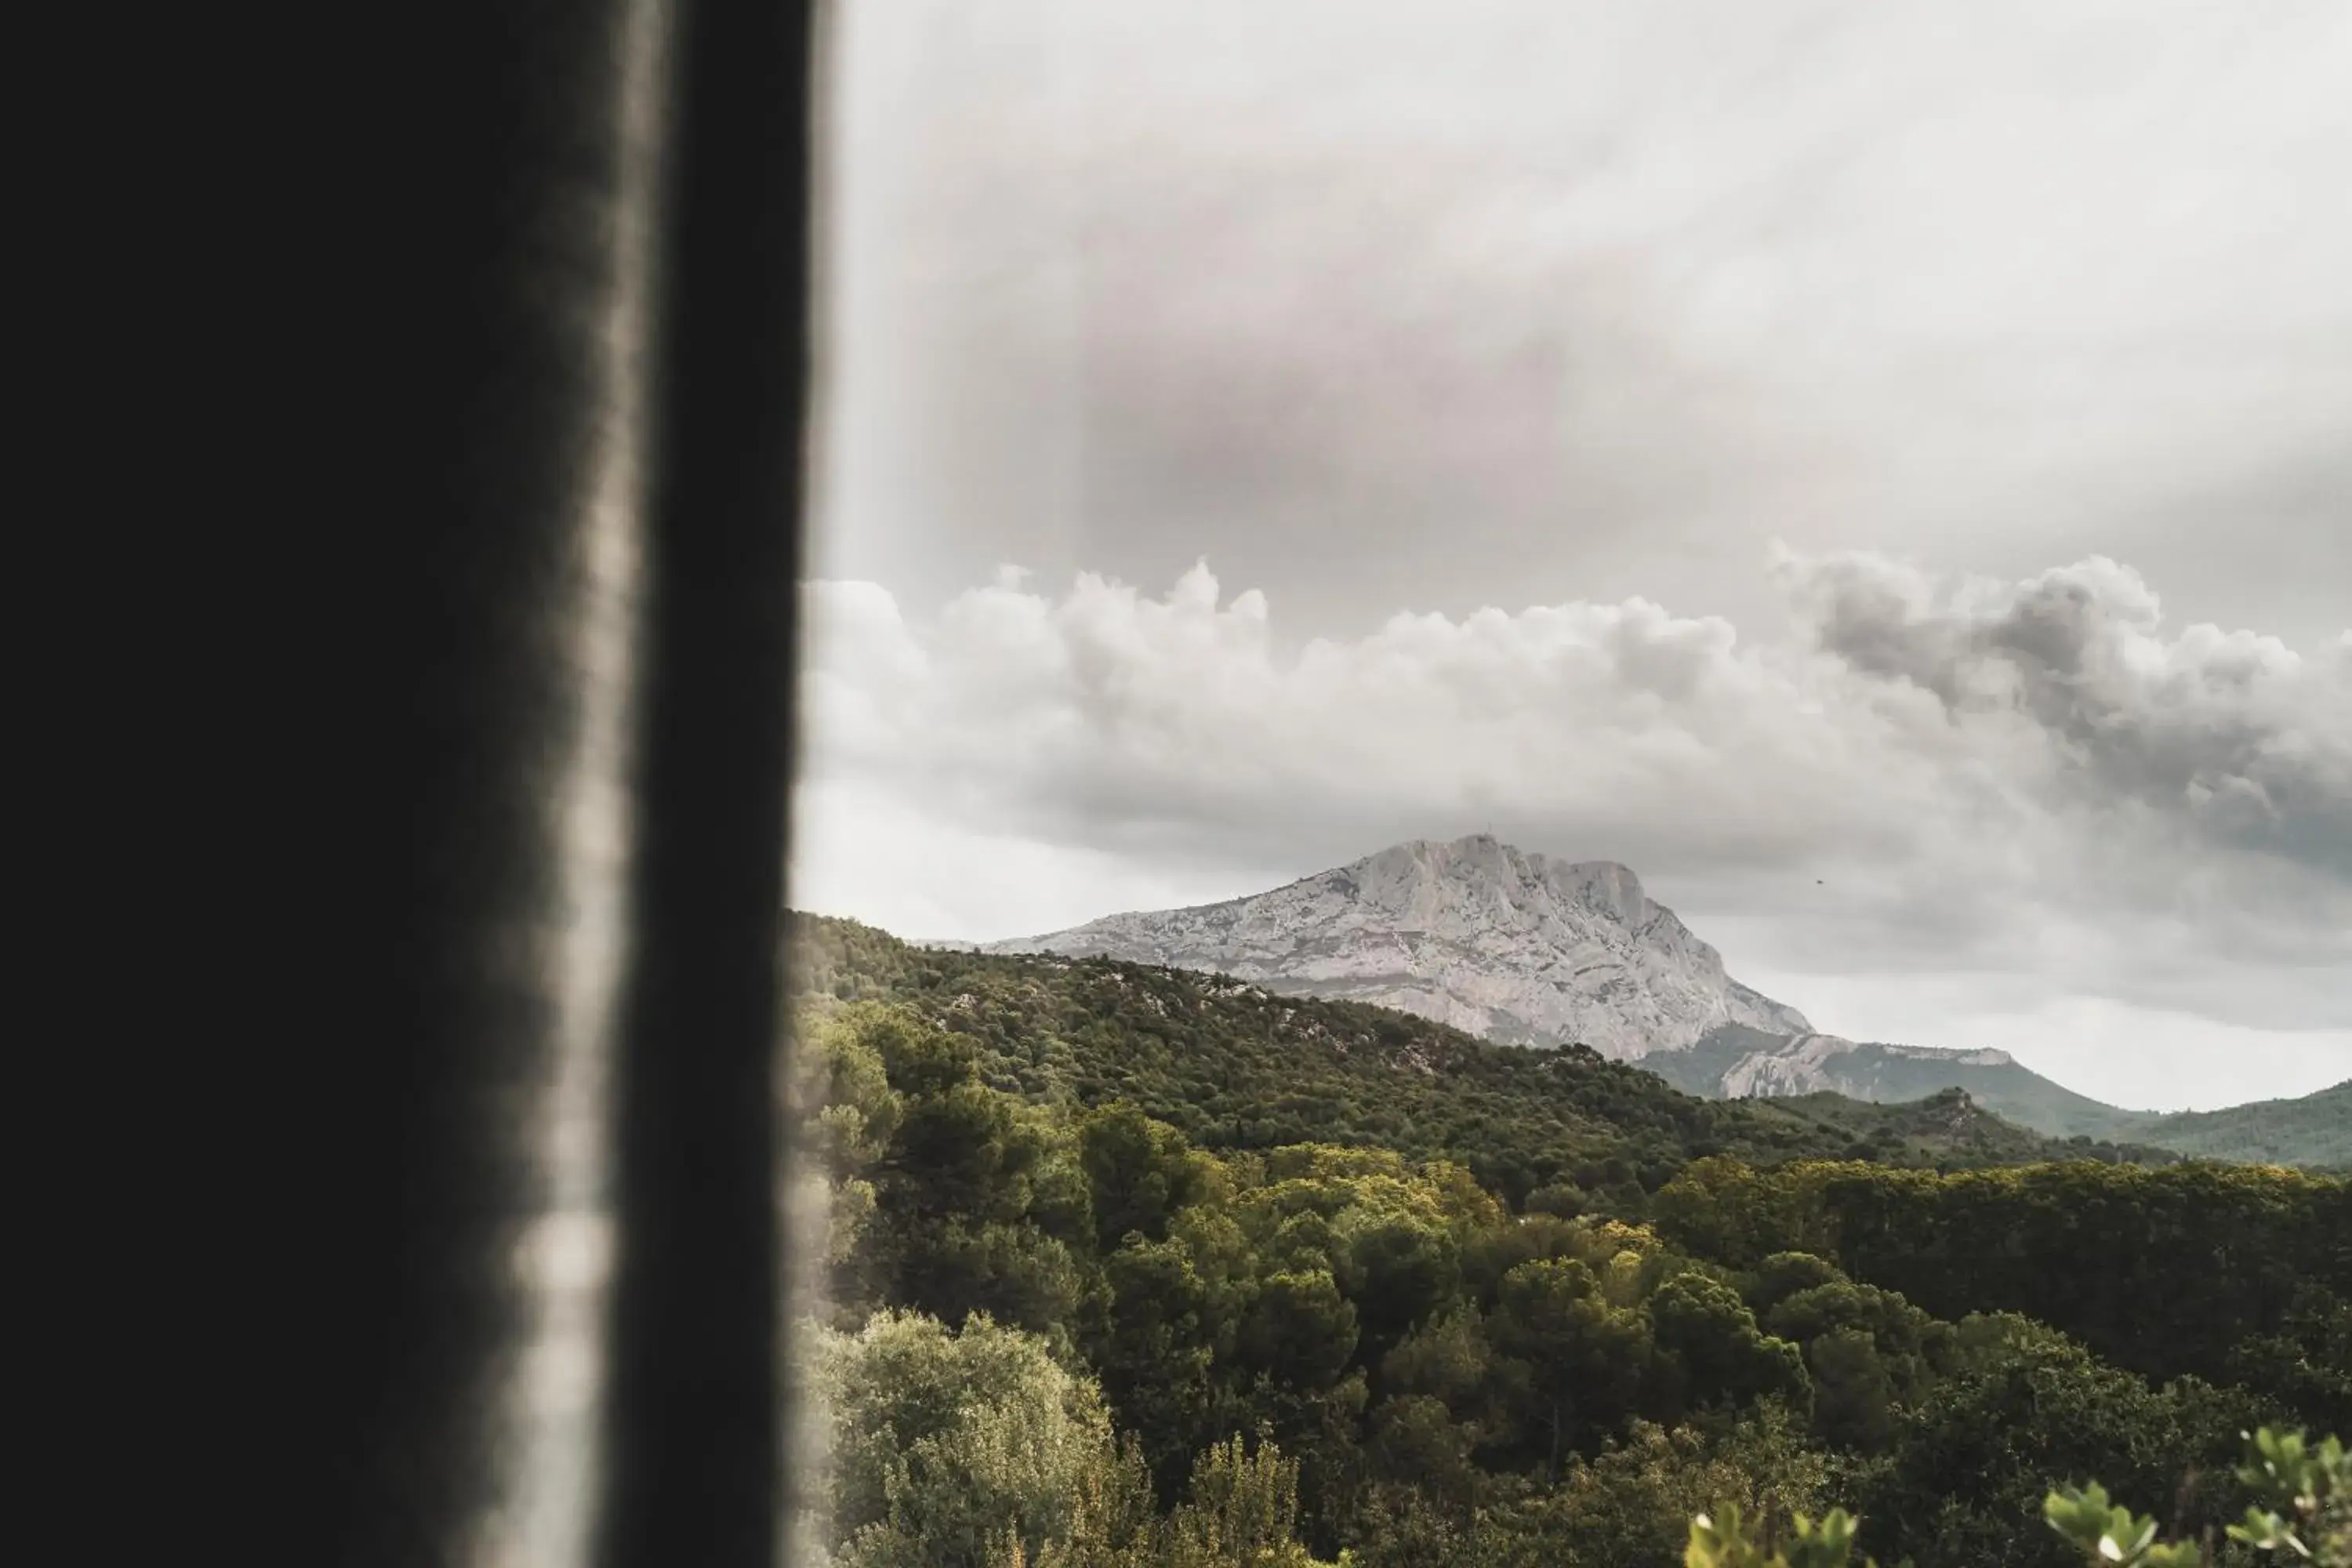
[1130, 1267]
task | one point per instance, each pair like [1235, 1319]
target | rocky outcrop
[1809, 1064]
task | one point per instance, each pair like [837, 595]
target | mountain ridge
[1236, 1065]
[1518, 947]
[1526, 949]
[2312, 1130]
[1734, 1062]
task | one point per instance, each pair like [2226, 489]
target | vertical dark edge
[695, 1423]
[468, 381]
[463, 392]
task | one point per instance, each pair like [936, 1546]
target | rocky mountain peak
[1482, 867]
[1523, 948]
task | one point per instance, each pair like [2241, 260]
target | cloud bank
[2037, 792]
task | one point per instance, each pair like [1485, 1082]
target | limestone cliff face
[1520, 948]
[1734, 1061]
[1807, 1064]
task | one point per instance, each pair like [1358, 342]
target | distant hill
[1733, 1061]
[1929, 1129]
[1238, 1066]
[2314, 1131]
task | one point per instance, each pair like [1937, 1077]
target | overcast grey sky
[1883, 471]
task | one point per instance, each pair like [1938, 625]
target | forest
[1135, 1267]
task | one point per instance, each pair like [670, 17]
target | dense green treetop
[1099, 1296]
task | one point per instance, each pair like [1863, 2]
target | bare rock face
[1520, 948]
[1809, 1063]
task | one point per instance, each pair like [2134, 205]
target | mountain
[1236, 1065]
[1521, 949]
[1526, 950]
[1733, 1061]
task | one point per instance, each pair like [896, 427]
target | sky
[1881, 470]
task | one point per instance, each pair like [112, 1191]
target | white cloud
[2036, 782]
[2229, 734]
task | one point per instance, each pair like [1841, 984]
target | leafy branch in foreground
[1825, 1543]
[2309, 1491]
[2106, 1533]
[2303, 1510]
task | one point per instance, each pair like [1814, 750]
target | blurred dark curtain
[547, 1251]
